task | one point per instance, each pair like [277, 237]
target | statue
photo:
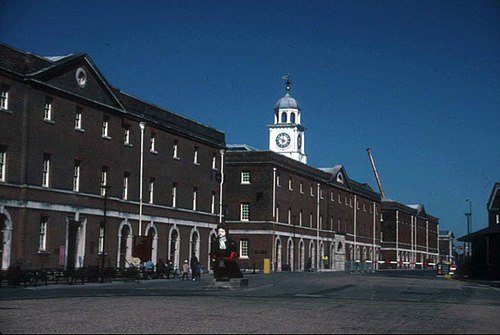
[223, 253]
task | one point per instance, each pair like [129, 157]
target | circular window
[81, 77]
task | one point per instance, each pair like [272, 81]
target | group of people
[194, 266]
[161, 270]
[223, 254]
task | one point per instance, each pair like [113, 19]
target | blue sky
[418, 82]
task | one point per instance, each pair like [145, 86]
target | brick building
[484, 260]
[75, 154]
[298, 216]
[446, 247]
[409, 236]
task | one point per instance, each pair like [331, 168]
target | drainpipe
[221, 183]
[141, 125]
[317, 228]
[355, 228]
[274, 218]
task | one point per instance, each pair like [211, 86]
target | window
[290, 184]
[46, 170]
[126, 177]
[278, 180]
[245, 177]
[4, 97]
[332, 196]
[340, 198]
[311, 191]
[278, 213]
[176, 149]
[105, 127]
[47, 111]
[152, 141]
[42, 240]
[245, 212]
[195, 156]
[174, 195]
[321, 193]
[195, 197]
[76, 175]
[126, 135]
[498, 218]
[3, 163]
[78, 118]
[101, 240]
[301, 187]
[214, 161]
[151, 190]
[244, 248]
[300, 218]
[104, 179]
[310, 220]
[289, 215]
[212, 203]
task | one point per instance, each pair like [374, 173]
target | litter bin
[267, 265]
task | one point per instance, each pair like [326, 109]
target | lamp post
[469, 226]
[293, 245]
[103, 227]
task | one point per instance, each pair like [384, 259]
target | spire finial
[287, 77]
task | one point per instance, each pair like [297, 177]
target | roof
[287, 102]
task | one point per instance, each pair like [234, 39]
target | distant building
[484, 260]
[90, 174]
[409, 236]
[446, 247]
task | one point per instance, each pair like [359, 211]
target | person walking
[185, 270]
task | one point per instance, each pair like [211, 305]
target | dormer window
[340, 178]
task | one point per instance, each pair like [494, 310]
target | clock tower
[286, 135]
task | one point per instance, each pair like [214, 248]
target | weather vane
[287, 77]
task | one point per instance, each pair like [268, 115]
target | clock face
[299, 141]
[283, 140]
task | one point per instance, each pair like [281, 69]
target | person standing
[194, 264]
[185, 270]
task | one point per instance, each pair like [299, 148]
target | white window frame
[104, 179]
[212, 203]
[126, 177]
[301, 187]
[244, 211]
[4, 97]
[152, 141]
[214, 162]
[48, 109]
[78, 118]
[105, 127]
[290, 184]
[195, 198]
[195, 156]
[76, 176]
[176, 149]
[245, 177]
[46, 171]
[126, 135]
[174, 195]
[3, 164]
[244, 249]
[100, 249]
[151, 190]
[42, 239]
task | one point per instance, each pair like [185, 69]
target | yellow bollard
[267, 265]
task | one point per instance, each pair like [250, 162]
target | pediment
[77, 75]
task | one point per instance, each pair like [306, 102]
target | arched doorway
[174, 247]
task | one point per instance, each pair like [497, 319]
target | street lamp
[469, 227]
[103, 227]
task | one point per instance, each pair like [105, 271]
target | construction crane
[376, 174]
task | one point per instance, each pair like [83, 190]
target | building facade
[446, 246]
[90, 175]
[484, 261]
[409, 236]
[297, 216]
